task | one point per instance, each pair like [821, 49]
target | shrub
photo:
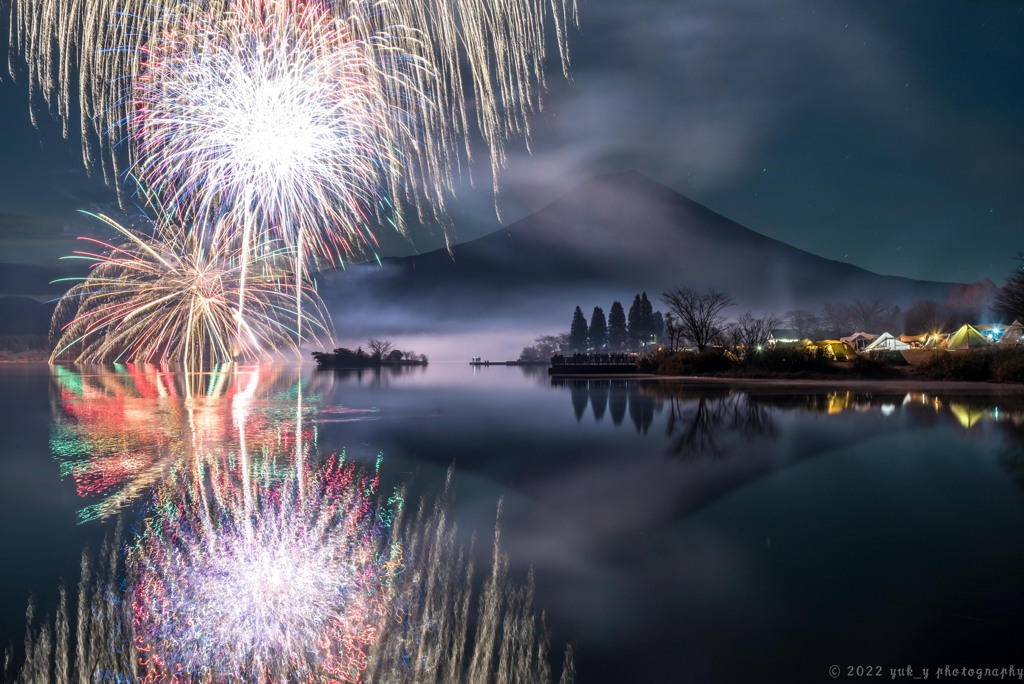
[1009, 366]
[790, 360]
[965, 365]
[873, 367]
[707, 362]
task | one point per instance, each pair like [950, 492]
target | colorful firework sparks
[427, 588]
[170, 296]
[262, 578]
[442, 73]
[272, 113]
[118, 433]
[300, 123]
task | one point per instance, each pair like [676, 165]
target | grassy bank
[981, 365]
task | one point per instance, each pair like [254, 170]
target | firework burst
[261, 579]
[170, 296]
[440, 74]
[301, 123]
[273, 113]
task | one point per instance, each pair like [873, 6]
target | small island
[382, 353]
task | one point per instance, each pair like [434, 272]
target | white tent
[886, 342]
[1014, 334]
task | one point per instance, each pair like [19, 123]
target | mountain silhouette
[609, 238]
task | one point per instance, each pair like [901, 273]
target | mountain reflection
[253, 557]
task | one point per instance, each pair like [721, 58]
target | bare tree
[874, 316]
[545, 347]
[1009, 300]
[837, 319]
[806, 323]
[379, 348]
[752, 332]
[698, 315]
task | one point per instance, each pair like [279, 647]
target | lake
[668, 532]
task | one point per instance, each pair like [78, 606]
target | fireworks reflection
[256, 558]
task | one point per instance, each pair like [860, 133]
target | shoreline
[899, 384]
[907, 384]
[31, 356]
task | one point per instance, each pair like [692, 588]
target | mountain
[606, 240]
[609, 238]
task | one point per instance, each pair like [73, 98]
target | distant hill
[24, 316]
[611, 237]
[29, 280]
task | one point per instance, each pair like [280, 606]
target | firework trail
[430, 78]
[170, 296]
[305, 123]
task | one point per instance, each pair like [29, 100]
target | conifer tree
[658, 329]
[646, 320]
[617, 334]
[578, 331]
[598, 333]
[635, 324]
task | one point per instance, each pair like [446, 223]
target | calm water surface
[675, 534]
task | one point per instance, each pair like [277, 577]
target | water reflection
[253, 556]
[119, 432]
[714, 421]
[616, 397]
[380, 376]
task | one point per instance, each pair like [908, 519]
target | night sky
[885, 134]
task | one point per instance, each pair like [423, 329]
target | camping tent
[836, 350]
[1014, 334]
[859, 340]
[886, 342]
[967, 337]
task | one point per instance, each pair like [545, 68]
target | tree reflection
[714, 420]
[706, 424]
[374, 377]
[617, 397]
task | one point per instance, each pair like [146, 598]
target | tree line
[383, 352]
[620, 331]
[697, 319]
